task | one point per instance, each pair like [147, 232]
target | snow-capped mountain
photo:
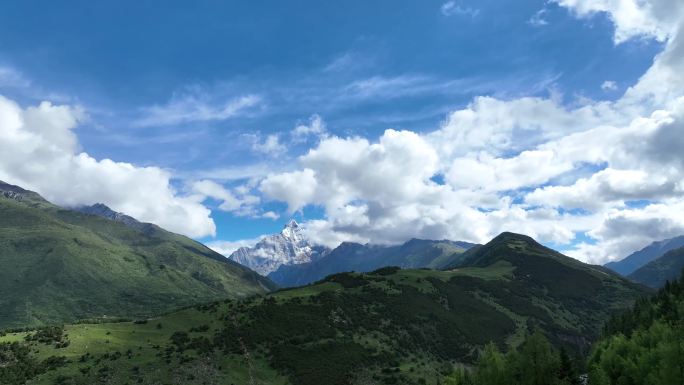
[289, 247]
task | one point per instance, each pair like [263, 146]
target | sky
[365, 121]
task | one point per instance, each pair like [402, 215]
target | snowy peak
[289, 247]
[292, 231]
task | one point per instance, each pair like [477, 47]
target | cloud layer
[600, 177]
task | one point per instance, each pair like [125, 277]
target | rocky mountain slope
[61, 265]
[289, 247]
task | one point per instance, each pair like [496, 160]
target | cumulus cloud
[623, 231]
[383, 192]
[39, 151]
[632, 18]
[240, 200]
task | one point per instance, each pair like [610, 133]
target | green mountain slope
[60, 265]
[666, 268]
[644, 345]
[389, 326]
[416, 253]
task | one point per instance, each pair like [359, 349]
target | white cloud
[195, 107]
[270, 145]
[632, 18]
[387, 87]
[452, 8]
[315, 127]
[9, 77]
[608, 187]
[538, 19]
[500, 126]
[228, 247]
[241, 201]
[623, 231]
[210, 189]
[297, 188]
[609, 85]
[39, 151]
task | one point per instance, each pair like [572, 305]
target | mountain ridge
[60, 265]
[350, 256]
[656, 273]
[640, 258]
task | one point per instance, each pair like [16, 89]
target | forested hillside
[645, 345]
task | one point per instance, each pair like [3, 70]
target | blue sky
[142, 71]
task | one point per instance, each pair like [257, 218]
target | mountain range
[60, 265]
[655, 250]
[289, 247]
[388, 326]
[416, 253]
[657, 272]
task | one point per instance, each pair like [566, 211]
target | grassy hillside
[59, 266]
[416, 253]
[390, 326]
[666, 268]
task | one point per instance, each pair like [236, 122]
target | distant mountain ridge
[642, 257]
[60, 265]
[289, 247]
[349, 256]
[103, 211]
[657, 272]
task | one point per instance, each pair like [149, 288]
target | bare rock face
[17, 193]
[289, 247]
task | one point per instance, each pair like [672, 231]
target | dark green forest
[642, 346]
